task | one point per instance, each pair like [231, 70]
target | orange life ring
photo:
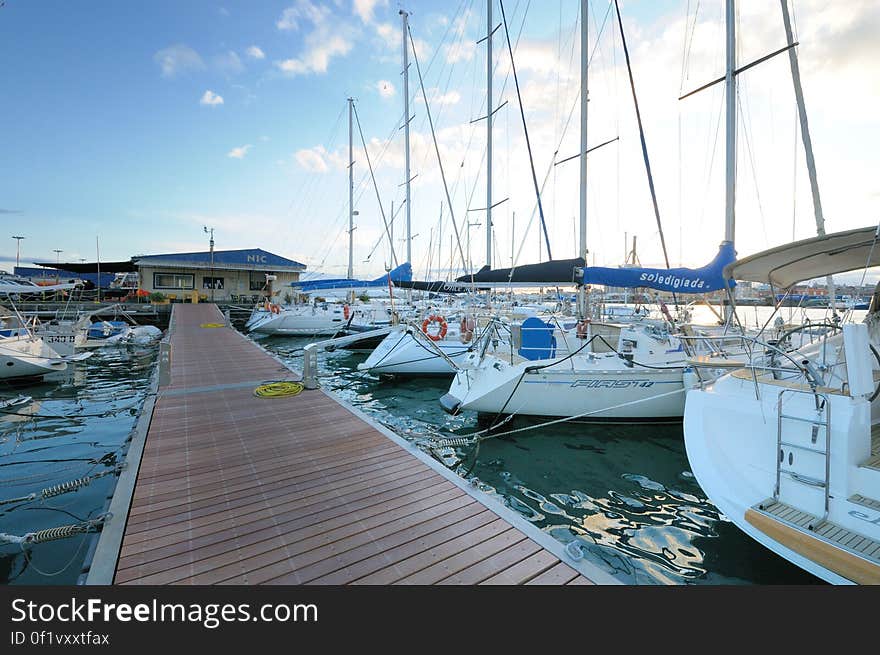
[435, 318]
[346, 311]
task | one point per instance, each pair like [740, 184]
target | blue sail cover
[675, 280]
[402, 273]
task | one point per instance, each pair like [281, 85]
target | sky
[132, 126]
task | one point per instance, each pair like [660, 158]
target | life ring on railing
[346, 311]
[267, 306]
[435, 318]
[466, 328]
[583, 328]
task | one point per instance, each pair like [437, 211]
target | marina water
[623, 493]
[76, 426]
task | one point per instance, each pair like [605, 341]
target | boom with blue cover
[402, 273]
[675, 280]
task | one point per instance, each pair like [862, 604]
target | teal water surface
[77, 425]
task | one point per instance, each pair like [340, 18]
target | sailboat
[442, 334]
[629, 372]
[23, 354]
[321, 318]
[787, 446]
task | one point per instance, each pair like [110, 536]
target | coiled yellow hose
[278, 389]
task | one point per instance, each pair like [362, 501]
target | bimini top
[787, 265]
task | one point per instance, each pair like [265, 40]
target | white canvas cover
[795, 262]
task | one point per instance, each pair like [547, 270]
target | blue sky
[140, 123]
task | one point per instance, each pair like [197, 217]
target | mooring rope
[56, 533]
[63, 487]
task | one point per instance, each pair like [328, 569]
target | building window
[212, 283]
[257, 280]
[173, 281]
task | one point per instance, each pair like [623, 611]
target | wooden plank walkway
[233, 489]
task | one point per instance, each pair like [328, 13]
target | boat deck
[235, 489]
[874, 460]
[832, 533]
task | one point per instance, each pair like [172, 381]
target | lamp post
[211, 232]
[17, 249]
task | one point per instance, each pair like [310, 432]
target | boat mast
[730, 98]
[805, 137]
[405, 25]
[582, 292]
[730, 125]
[351, 193]
[489, 31]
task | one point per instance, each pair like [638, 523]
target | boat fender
[346, 311]
[466, 328]
[583, 328]
[690, 379]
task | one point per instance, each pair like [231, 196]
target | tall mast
[805, 137]
[404, 21]
[489, 133]
[350, 193]
[582, 249]
[730, 99]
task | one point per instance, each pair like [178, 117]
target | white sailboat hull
[401, 353]
[27, 357]
[731, 441]
[603, 390]
[297, 322]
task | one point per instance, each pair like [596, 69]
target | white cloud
[388, 34]
[228, 63]
[239, 152]
[312, 159]
[451, 97]
[255, 52]
[211, 99]
[364, 8]
[386, 89]
[317, 56]
[302, 10]
[327, 39]
[461, 51]
[178, 59]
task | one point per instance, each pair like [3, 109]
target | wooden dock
[235, 489]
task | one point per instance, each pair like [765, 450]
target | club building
[231, 274]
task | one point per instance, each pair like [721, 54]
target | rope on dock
[282, 389]
[63, 487]
[54, 534]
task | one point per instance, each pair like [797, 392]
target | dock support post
[164, 363]
[310, 366]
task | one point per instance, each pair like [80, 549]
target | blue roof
[254, 258]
